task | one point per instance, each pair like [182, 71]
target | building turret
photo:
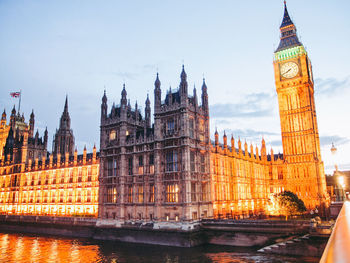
[157, 94]
[64, 138]
[3, 118]
[205, 104]
[45, 138]
[148, 112]
[246, 148]
[251, 150]
[239, 146]
[232, 143]
[263, 149]
[37, 137]
[31, 125]
[123, 100]
[183, 86]
[195, 100]
[225, 140]
[104, 106]
[13, 118]
[216, 138]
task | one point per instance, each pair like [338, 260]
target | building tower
[304, 168]
[64, 138]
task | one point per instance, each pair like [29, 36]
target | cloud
[252, 106]
[330, 86]
[247, 134]
[324, 141]
[337, 140]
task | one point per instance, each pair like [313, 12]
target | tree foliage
[290, 204]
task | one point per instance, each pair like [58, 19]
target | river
[33, 248]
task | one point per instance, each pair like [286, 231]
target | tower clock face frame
[289, 70]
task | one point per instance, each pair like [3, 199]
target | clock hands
[287, 71]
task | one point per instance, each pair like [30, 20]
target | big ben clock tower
[304, 170]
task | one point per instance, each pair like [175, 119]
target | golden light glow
[67, 190]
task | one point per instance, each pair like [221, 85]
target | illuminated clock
[289, 70]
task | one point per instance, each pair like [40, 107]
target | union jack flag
[15, 94]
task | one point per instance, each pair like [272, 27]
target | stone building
[21, 146]
[157, 172]
[64, 139]
[168, 173]
[303, 165]
[34, 182]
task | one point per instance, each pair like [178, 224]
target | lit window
[112, 135]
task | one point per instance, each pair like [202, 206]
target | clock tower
[304, 170]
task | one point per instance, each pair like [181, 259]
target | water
[32, 248]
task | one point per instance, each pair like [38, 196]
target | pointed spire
[123, 100]
[3, 116]
[66, 104]
[157, 82]
[286, 18]
[32, 114]
[104, 98]
[204, 85]
[148, 102]
[183, 73]
[288, 30]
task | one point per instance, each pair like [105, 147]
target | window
[193, 162]
[71, 175]
[202, 163]
[171, 161]
[191, 126]
[193, 192]
[172, 193]
[115, 167]
[194, 216]
[170, 126]
[89, 172]
[201, 130]
[151, 164]
[80, 174]
[205, 192]
[112, 135]
[140, 194]
[151, 193]
[130, 194]
[110, 168]
[140, 169]
[130, 163]
[88, 196]
[111, 196]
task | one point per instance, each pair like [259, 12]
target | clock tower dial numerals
[289, 70]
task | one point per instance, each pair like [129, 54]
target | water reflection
[30, 248]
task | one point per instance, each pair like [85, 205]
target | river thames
[33, 248]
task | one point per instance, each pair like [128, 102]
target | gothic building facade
[35, 182]
[64, 139]
[168, 172]
[157, 172]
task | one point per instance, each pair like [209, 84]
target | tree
[290, 204]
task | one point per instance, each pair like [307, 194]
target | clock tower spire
[300, 138]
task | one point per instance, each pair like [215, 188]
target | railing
[337, 248]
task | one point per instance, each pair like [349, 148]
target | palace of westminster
[168, 171]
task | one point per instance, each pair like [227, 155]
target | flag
[15, 94]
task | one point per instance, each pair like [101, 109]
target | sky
[50, 49]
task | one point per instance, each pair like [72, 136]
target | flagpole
[19, 102]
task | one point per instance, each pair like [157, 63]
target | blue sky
[52, 48]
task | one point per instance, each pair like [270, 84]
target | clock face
[289, 70]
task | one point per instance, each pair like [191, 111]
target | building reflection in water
[29, 248]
